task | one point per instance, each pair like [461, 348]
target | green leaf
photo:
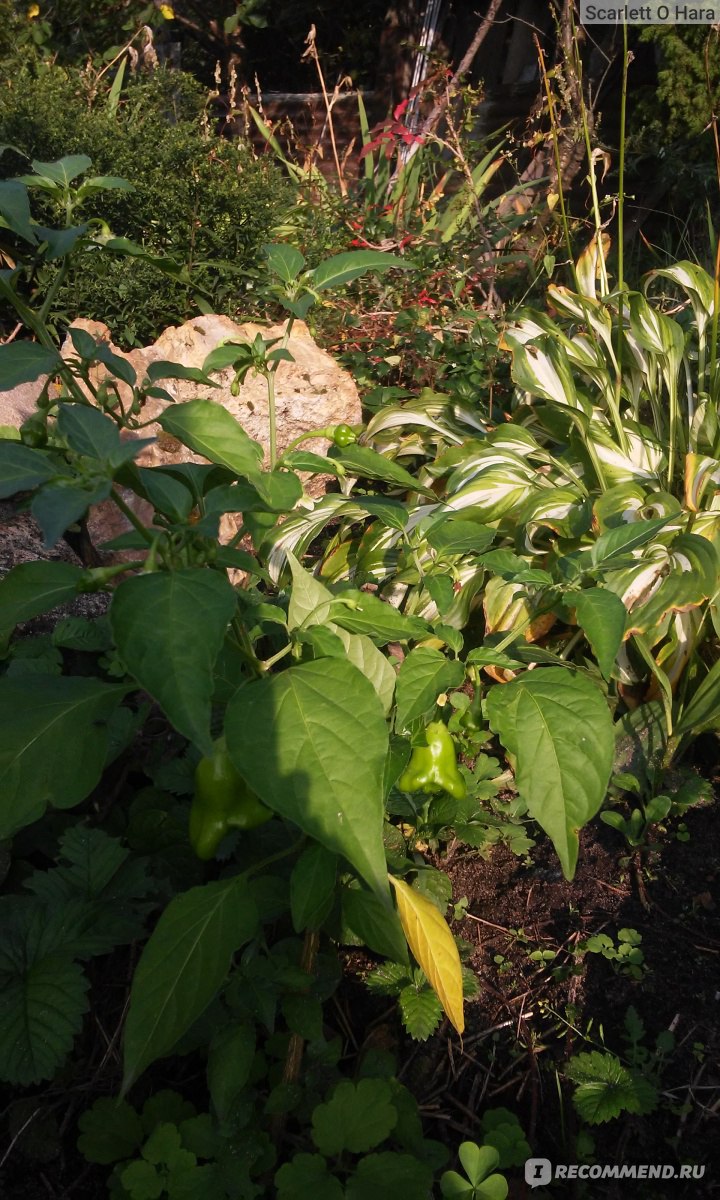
[210, 430]
[621, 539]
[457, 536]
[361, 612]
[33, 588]
[284, 261]
[602, 616]
[307, 1178]
[109, 1131]
[160, 369]
[312, 887]
[421, 1011]
[56, 507]
[343, 268]
[88, 431]
[425, 673]
[182, 967]
[370, 919]
[310, 600]
[64, 170]
[43, 721]
[20, 467]
[15, 210]
[606, 1088]
[166, 493]
[703, 709]
[363, 461]
[363, 653]
[41, 1012]
[558, 726]
[230, 1060]
[388, 1176]
[477, 1161]
[312, 743]
[357, 1117]
[169, 629]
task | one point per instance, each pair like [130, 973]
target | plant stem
[272, 418]
[131, 517]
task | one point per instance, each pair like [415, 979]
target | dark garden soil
[529, 1019]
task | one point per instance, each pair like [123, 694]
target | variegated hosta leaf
[628, 502]
[644, 459]
[591, 311]
[304, 525]
[494, 492]
[541, 368]
[665, 579]
[701, 473]
[707, 524]
[558, 509]
[434, 417]
[677, 650]
[696, 283]
[658, 333]
[590, 267]
[507, 606]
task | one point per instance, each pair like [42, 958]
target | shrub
[198, 198]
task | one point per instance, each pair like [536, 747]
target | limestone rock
[310, 392]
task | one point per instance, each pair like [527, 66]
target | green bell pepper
[433, 768]
[222, 801]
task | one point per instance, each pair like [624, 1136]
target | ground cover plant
[390, 864]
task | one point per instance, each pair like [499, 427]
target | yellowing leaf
[33, 12]
[552, 199]
[167, 11]
[433, 945]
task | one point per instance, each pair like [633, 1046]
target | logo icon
[538, 1171]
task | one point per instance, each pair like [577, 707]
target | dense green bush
[198, 198]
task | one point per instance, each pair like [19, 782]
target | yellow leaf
[552, 199]
[33, 12]
[167, 11]
[433, 946]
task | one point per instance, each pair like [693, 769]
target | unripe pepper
[343, 435]
[433, 768]
[222, 801]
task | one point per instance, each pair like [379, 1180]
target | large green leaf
[57, 506]
[210, 430]
[169, 629]
[22, 468]
[602, 616]
[182, 968]
[15, 209]
[364, 654]
[284, 261]
[558, 726]
[312, 743]
[343, 268]
[33, 588]
[23, 362]
[64, 170]
[53, 743]
[41, 1011]
[89, 432]
[424, 674]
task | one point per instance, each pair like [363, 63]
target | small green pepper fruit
[33, 431]
[433, 768]
[343, 435]
[222, 801]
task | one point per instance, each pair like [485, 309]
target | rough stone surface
[310, 392]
